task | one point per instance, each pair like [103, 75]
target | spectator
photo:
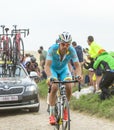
[42, 63]
[42, 54]
[106, 62]
[94, 49]
[89, 65]
[32, 65]
[79, 52]
[26, 59]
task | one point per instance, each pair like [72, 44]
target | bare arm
[47, 67]
[70, 66]
[77, 71]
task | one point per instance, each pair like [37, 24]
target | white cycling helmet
[65, 37]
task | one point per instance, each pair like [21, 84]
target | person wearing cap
[57, 67]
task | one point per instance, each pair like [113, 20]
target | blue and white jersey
[54, 55]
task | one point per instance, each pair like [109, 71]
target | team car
[18, 89]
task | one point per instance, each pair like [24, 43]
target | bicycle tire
[66, 124]
[18, 54]
[58, 115]
[7, 50]
[9, 56]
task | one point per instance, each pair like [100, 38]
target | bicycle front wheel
[58, 115]
[66, 123]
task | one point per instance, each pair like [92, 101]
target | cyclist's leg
[52, 98]
[66, 116]
[66, 75]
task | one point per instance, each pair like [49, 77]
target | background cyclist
[58, 58]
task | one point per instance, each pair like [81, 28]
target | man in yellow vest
[94, 49]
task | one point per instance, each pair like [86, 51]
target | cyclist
[57, 67]
[106, 62]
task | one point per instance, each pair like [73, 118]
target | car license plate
[8, 98]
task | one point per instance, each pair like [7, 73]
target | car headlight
[31, 88]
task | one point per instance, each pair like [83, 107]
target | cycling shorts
[61, 74]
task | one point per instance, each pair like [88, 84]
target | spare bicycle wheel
[18, 51]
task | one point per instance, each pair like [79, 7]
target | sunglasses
[65, 44]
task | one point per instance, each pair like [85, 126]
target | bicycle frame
[5, 48]
[61, 101]
[5, 45]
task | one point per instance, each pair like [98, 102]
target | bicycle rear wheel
[18, 51]
[66, 123]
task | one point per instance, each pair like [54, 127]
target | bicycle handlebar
[25, 31]
[69, 81]
[66, 81]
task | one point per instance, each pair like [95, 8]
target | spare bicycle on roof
[5, 49]
[18, 45]
[5, 45]
[11, 50]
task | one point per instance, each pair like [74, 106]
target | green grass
[43, 88]
[90, 103]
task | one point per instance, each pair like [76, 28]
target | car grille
[12, 91]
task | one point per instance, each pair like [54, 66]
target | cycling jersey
[61, 66]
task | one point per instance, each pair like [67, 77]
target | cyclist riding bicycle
[57, 67]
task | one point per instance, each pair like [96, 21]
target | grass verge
[90, 103]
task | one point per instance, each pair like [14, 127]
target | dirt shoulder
[24, 120]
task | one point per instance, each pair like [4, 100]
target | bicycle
[62, 103]
[5, 49]
[5, 45]
[18, 44]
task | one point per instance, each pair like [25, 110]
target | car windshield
[10, 70]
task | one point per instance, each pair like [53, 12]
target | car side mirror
[34, 75]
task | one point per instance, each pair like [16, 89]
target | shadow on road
[15, 112]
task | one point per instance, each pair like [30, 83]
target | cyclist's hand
[50, 80]
[78, 78]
